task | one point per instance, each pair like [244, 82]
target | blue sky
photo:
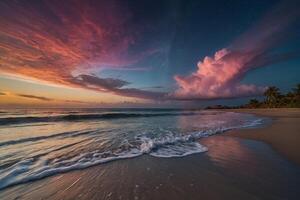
[146, 52]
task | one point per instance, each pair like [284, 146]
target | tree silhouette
[273, 99]
[296, 99]
[254, 103]
[296, 90]
[272, 96]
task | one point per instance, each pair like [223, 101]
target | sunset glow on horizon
[109, 54]
[149, 99]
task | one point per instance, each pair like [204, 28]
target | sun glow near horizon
[28, 93]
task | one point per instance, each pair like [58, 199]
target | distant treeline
[273, 99]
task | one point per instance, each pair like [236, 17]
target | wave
[166, 146]
[11, 178]
[80, 117]
[33, 139]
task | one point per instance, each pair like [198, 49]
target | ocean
[37, 143]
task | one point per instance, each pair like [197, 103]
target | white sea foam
[22, 171]
[163, 143]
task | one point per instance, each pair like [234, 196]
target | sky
[146, 53]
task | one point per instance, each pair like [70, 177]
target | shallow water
[38, 143]
[232, 168]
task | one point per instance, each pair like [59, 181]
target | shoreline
[218, 173]
[282, 134]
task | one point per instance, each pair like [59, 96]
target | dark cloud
[35, 97]
[145, 94]
[116, 86]
[103, 83]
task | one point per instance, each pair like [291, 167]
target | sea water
[38, 143]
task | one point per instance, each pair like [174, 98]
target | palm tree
[272, 96]
[289, 100]
[296, 90]
[253, 103]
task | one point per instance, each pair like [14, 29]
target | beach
[233, 169]
[283, 134]
[149, 100]
[246, 163]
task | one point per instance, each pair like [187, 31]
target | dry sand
[283, 134]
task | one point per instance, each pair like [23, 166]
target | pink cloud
[220, 76]
[63, 43]
[217, 77]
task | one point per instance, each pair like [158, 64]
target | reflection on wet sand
[231, 169]
[229, 153]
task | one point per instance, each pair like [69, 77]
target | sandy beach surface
[239, 164]
[283, 134]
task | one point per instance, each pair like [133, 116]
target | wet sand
[233, 168]
[283, 134]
